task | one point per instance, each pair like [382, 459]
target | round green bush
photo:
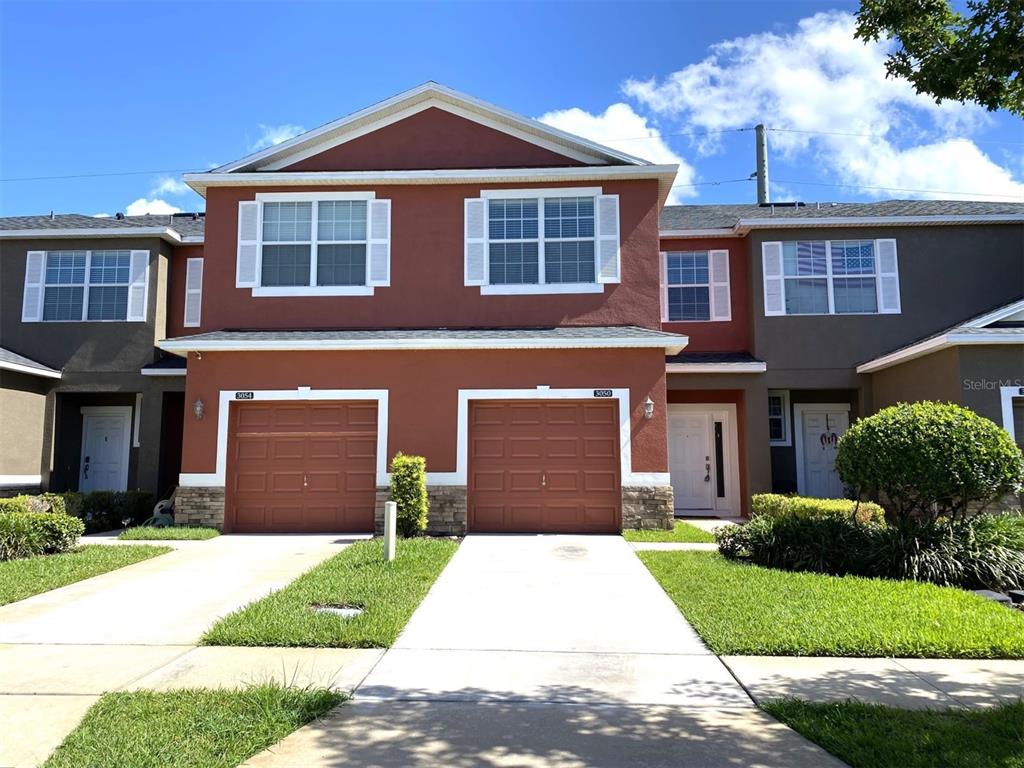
[929, 459]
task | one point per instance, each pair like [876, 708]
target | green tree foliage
[977, 56]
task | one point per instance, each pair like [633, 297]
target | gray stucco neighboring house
[83, 304]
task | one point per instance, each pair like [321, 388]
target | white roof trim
[996, 315]
[748, 367]
[165, 232]
[30, 370]
[414, 100]
[743, 226]
[162, 371]
[695, 233]
[184, 346]
[936, 344]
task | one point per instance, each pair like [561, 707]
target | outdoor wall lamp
[198, 408]
[648, 408]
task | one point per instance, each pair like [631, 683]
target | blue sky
[157, 88]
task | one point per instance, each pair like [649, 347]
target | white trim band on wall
[460, 476]
[14, 481]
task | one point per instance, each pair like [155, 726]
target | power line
[892, 189]
[883, 136]
[96, 175]
[713, 183]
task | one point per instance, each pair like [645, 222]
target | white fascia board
[421, 93]
[996, 315]
[753, 367]
[937, 344]
[193, 239]
[184, 346]
[877, 221]
[664, 173]
[689, 234]
[165, 232]
[30, 370]
[162, 371]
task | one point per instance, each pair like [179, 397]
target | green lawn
[189, 728]
[874, 736]
[31, 575]
[358, 576]
[681, 532]
[748, 610]
[170, 533]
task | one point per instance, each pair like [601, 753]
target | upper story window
[329, 244]
[84, 285]
[695, 286]
[542, 241]
[830, 277]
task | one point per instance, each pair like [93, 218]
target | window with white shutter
[32, 298]
[532, 241]
[77, 286]
[888, 277]
[771, 268]
[696, 286]
[379, 256]
[248, 256]
[193, 292]
[721, 300]
[138, 287]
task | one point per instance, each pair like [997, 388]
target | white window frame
[85, 286]
[787, 422]
[541, 286]
[830, 278]
[312, 289]
[1006, 397]
[668, 286]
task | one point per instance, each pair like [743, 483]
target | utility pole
[762, 164]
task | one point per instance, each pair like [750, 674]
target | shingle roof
[684, 217]
[712, 357]
[13, 361]
[184, 224]
[432, 338]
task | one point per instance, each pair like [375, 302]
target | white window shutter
[476, 241]
[663, 269]
[248, 258]
[608, 266]
[888, 277]
[774, 289]
[32, 300]
[378, 257]
[193, 292]
[138, 286]
[721, 304]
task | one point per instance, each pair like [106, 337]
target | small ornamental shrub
[778, 505]
[107, 510]
[24, 534]
[409, 491]
[929, 460]
[20, 504]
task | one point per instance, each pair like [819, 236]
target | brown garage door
[295, 466]
[544, 466]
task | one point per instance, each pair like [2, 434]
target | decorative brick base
[199, 506]
[447, 515]
[647, 507]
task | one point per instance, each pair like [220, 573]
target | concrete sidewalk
[547, 651]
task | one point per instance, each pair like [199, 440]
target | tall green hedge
[779, 505]
[409, 491]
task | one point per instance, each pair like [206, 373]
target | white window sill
[326, 290]
[533, 289]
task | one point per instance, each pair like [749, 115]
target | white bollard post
[390, 523]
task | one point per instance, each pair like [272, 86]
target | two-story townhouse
[848, 308]
[86, 403]
[437, 276]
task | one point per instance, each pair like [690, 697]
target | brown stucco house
[438, 276]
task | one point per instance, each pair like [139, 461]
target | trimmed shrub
[778, 505]
[24, 534]
[409, 491]
[929, 460]
[107, 510]
[20, 504]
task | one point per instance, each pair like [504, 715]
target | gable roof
[1003, 325]
[177, 228]
[412, 101]
[701, 220]
[12, 361]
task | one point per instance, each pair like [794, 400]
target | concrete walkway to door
[547, 651]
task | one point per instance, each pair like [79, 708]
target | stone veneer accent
[447, 515]
[203, 506]
[647, 507]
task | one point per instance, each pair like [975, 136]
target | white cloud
[166, 185]
[619, 127]
[820, 80]
[275, 134]
[156, 206]
[101, 215]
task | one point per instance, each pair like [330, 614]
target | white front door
[822, 428]
[105, 436]
[690, 460]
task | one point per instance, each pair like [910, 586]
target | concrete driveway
[547, 651]
[59, 651]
